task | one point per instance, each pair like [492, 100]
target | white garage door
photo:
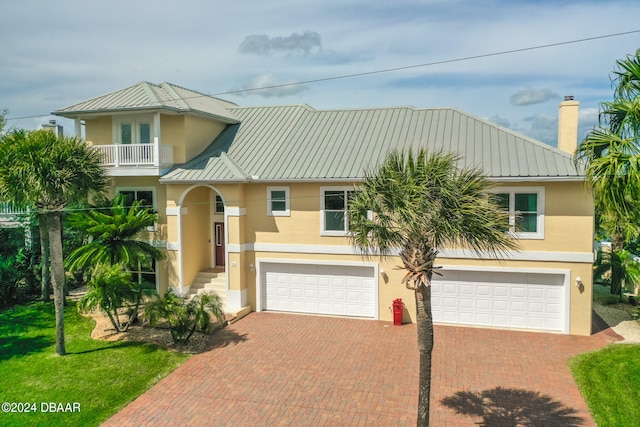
[500, 299]
[319, 289]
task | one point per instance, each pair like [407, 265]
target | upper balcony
[136, 159]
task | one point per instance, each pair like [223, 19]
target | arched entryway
[203, 233]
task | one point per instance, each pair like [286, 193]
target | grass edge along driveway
[92, 382]
[609, 380]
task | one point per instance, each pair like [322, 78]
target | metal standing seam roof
[299, 143]
[150, 96]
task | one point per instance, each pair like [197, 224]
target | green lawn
[98, 377]
[609, 380]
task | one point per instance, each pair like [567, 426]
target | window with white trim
[146, 195]
[278, 203]
[144, 271]
[525, 206]
[334, 220]
[219, 205]
[133, 129]
[133, 195]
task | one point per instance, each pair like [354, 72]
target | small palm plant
[622, 263]
[110, 288]
[183, 316]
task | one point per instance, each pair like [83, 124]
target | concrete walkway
[273, 369]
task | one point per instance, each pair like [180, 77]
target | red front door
[219, 242]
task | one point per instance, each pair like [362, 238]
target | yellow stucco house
[252, 206]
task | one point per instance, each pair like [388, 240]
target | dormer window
[133, 129]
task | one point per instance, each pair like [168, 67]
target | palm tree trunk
[617, 244]
[45, 289]
[425, 347]
[57, 277]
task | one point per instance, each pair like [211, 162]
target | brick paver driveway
[285, 369]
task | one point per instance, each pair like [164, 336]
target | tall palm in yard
[417, 204]
[46, 172]
[611, 157]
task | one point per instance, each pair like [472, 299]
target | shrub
[183, 316]
[110, 289]
[18, 282]
[8, 280]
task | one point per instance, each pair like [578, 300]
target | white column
[78, 123]
[156, 140]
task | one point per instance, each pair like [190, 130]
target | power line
[389, 70]
[428, 64]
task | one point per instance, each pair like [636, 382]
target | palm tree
[418, 204]
[109, 288]
[45, 172]
[610, 155]
[184, 316]
[113, 234]
[113, 239]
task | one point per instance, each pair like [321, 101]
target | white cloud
[262, 44]
[530, 96]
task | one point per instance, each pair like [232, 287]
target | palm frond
[425, 197]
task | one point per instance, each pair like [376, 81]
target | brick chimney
[568, 125]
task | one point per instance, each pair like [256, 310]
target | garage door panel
[500, 319]
[449, 288]
[503, 299]
[554, 308]
[518, 306]
[466, 318]
[483, 290]
[466, 289]
[483, 319]
[483, 304]
[500, 305]
[500, 291]
[536, 293]
[516, 321]
[518, 292]
[466, 303]
[449, 316]
[554, 294]
[535, 308]
[449, 302]
[320, 289]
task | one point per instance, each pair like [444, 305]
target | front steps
[210, 283]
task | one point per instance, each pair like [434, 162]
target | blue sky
[54, 54]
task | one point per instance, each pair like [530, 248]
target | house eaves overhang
[351, 179]
[88, 114]
[537, 179]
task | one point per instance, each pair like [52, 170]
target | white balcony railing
[128, 155]
[9, 213]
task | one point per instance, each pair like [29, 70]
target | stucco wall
[99, 131]
[567, 243]
[199, 133]
[172, 131]
[196, 232]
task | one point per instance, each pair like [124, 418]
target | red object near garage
[398, 309]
